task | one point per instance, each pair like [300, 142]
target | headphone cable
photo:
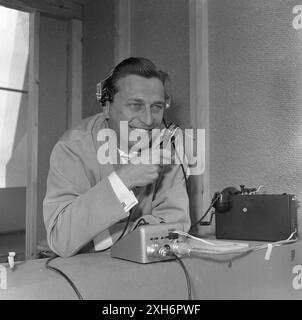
[63, 275]
[189, 285]
[206, 213]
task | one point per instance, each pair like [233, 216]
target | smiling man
[88, 203]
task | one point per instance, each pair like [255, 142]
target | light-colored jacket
[80, 202]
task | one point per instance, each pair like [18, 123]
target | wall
[12, 209]
[255, 72]
[160, 32]
[98, 50]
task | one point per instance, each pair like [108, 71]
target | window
[14, 53]
[14, 56]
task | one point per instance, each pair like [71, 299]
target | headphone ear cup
[224, 202]
[105, 96]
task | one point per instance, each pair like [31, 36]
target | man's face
[141, 102]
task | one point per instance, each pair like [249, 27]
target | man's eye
[157, 107]
[136, 106]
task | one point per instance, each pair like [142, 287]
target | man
[88, 201]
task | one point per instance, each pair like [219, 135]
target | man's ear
[106, 109]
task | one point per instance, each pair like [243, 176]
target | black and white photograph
[150, 153]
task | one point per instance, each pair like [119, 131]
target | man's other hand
[143, 172]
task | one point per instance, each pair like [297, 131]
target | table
[98, 276]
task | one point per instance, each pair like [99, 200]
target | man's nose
[147, 117]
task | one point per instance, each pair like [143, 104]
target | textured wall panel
[160, 32]
[98, 50]
[255, 71]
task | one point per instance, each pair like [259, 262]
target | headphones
[103, 93]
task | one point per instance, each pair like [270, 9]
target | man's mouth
[141, 129]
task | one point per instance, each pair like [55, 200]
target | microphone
[166, 138]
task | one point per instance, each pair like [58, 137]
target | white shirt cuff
[103, 240]
[125, 196]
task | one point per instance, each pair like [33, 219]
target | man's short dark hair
[130, 66]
